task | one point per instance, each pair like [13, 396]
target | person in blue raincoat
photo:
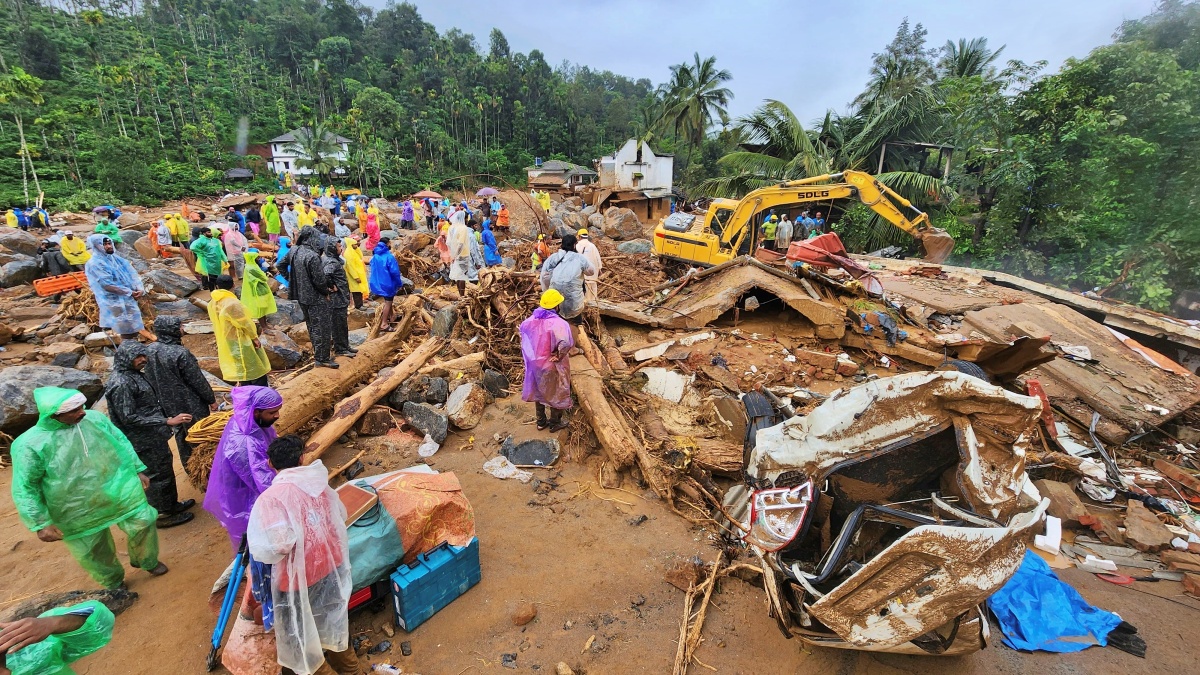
[116, 286]
[384, 281]
[491, 252]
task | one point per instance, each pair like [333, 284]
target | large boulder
[18, 241]
[20, 271]
[180, 308]
[573, 203]
[18, 412]
[282, 351]
[621, 224]
[287, 313]
[420, 389]
[411, 241]
[130, 237]
[165, 281]
[145, 248]
[427, 420]
[525, 214]
[575, 221]
[595, 224]
[559, 228]
[635, 246]
[465, 406]
[444, 320]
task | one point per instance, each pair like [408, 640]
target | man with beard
[309, 286]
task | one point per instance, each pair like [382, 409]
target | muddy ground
[577, 555]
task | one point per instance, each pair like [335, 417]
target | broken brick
[1064, 503]
[1180, 558]
[1105, 525]
[847, 368]
[1191, 584]
[1143, 531]
[821, 360]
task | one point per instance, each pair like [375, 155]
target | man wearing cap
[587, 249]
[75, 475]
[135, 410]
[546, 340]
[770, 225]
[74, 250]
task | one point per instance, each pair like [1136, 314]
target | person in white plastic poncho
[298, 528]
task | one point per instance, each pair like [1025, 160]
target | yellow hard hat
[551, 299]
[541, 237]
[582, 233]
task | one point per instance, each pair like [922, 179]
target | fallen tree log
[590, 351]
[471, 364]
[346, 413]
[718, 456]
[312, 393]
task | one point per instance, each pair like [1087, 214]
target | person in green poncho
[270, 216]
[256, 291]
[46, 644]
[75, 475]
[210, 256]
[107, 227]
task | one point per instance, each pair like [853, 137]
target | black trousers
[358, 299]
[320, 329]
[210, 282]
[555, 415]
[180, 433]
[162, 494]
[340, 329]
[256, 382]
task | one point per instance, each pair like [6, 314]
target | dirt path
[585, 566]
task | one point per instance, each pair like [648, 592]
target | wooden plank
[901, 350]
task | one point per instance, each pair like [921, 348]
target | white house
[636, 167]
[284, 156]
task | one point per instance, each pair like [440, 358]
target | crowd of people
[79, 472]
[777, 232]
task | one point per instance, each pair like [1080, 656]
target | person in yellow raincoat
[543, 198]
[356, 270]
[257, 297]
[74, 249]
[241, 356]
[307, 216]
[181, 232]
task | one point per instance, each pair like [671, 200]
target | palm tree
[969, 58]
[316, 149]
[696, 96]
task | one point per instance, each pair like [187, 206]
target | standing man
[783, 234]
[290, 220]
[546, 340]
[254, 219]
[458, 244]
[384, 282]
[356, 270]
[564, 272]
[242, 358]
[769, 228]
[591, 280]
[819, 224]
[210, 256]
[309, 286]
[503, 218]
[339, 297]
[257, 297]
[74, 250]
[270, 216]
[237, 218]
[240, 471]
[134, 407]
[176, 376]
[298, 527]
[116, 286]
[75, 475]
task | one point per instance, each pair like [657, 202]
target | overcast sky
[810, 55]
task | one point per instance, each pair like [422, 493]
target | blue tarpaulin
[1037, 611]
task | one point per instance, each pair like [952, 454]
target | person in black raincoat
[309, 286]
[134, 408]
[177, 378]
[339, 297]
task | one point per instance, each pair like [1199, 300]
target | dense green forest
[1085, 177]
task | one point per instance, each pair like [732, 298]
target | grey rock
[97, 340]
[287, 313]
[18, 241]
[596, 224]
[635, 246]
[282, 351]
[559, 228]
[166, 281]
[588, 211]
[358, 337]
[509, 262]
[444, 320]
[420, 389]
[66, 360]
[427, 420]
[622, 224]
[465, 405]
[437, 391]
[130, 237]
[18, 412]
[20, 271]
[180, 308]
[496, 383]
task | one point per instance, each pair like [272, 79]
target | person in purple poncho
[546, 341]
[241, 471]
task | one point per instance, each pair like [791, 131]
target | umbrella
[487, 192]
[427, 194]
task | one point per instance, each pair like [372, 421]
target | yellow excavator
[730, 227]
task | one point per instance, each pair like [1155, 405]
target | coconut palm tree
[316, 149]
[696, 97]
[968, 58]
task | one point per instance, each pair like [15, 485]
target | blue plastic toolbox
[432, 581]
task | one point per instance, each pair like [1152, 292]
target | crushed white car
[888, 514]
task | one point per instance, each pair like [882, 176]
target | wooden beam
[346, 413]
[924, 357]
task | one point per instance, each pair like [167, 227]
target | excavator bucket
[938, 245]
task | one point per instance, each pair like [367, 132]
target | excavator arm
[863, 186]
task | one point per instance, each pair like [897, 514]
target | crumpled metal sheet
[994, 428]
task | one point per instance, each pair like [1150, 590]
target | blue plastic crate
[432, 581]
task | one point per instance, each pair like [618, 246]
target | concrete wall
[618, 171]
